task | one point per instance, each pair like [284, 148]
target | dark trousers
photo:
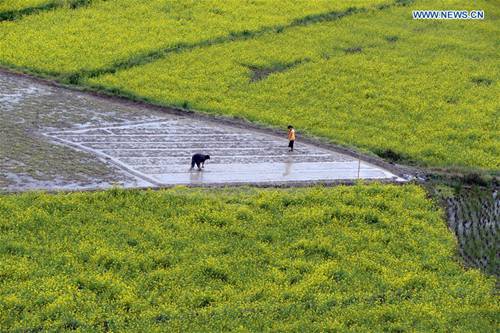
[290, 144]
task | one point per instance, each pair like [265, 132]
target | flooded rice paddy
[54, 138]
[473, 215]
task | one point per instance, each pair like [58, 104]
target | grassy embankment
[356, 258]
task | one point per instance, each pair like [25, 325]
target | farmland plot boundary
[142, 59]
[16, 14]
[151, 56]
[78, 77]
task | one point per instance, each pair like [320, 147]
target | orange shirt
[291, 134]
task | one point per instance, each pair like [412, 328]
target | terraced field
[11, 10]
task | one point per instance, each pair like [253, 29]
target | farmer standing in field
[291, 137]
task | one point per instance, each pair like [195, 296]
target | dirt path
[54, 138]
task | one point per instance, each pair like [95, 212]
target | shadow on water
[473, 215]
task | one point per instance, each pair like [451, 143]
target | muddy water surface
[29, 161]
[474, 216]
[54, 138]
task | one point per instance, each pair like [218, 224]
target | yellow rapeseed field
[414, 92]
[9, 5]
[68, 40]
[362, 258]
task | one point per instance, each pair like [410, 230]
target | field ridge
[153, 55]
[16, 14]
